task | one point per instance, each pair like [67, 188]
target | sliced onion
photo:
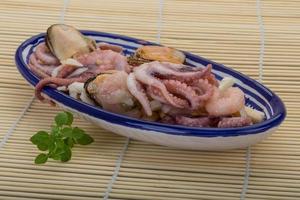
[77, 91]
[85, 98]
[255, 115]
[56, 70]
[77, 72]
[226, 83]
[62, 88]
[71, 61]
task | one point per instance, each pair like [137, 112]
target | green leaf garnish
[61, 119]
[85, 140]
[70, 118]
[40, 137]
[66, 155]
[77, 133]
[43, 146]
[60, 141]
[41, 158]
[67, 132]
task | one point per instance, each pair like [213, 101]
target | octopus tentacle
[168, 120]
[136, 89]
[156, 83]
[44, 68]
[154, 93]
[150, 73]
[169, 98]
[172, 111]
[65, 71]
[173, 71]
[194, 75]
[77, 72]
[194, 122]
[204, 89]
[212, 80]
[38, 71]
[58, 81]
[184, 90]
[208, 75]
[43, 54]
[232, 122]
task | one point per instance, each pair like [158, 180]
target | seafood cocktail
[155, 83]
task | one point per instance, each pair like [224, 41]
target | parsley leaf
[77, 133]
[61, 119]
[61, 140]
[40, 137]
[85, 140]
[41, 158]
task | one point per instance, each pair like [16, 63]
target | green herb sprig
[60, 140]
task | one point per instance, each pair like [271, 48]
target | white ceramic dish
[257, 96]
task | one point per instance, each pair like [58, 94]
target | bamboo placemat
[258, 38]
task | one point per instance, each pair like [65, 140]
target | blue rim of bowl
[97, 112]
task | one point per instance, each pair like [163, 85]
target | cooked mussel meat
[109, 90]
[156, 53]
[65, 42]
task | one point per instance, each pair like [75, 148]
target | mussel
[109, 90]
[156, 53]
[65, 42]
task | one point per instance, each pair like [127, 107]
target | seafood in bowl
[158, 87]
[151, 88]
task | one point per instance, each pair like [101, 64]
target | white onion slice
[56, 70]
[77, 91]
[255, 115]
[71, 61]
[226, 83]
[77, 72]
[62, 88]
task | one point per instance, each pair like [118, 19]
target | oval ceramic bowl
[257, 96]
